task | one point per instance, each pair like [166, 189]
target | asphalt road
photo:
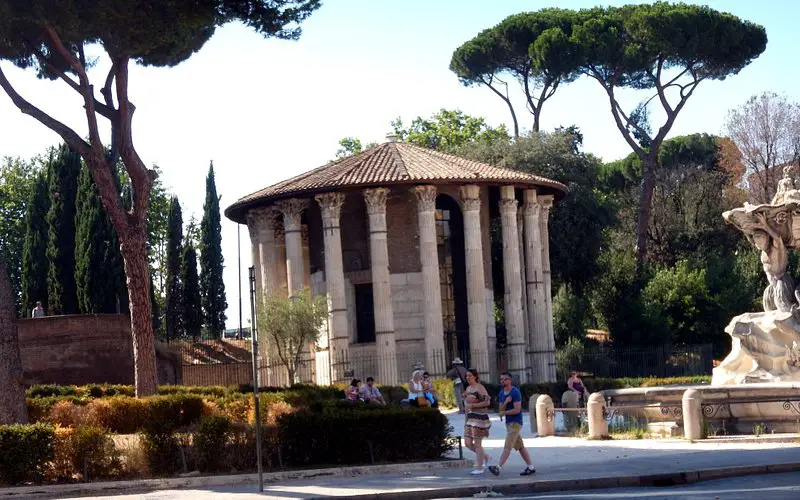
[763, 487]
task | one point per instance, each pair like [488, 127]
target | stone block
[398, 279]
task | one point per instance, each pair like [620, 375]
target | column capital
[508, 206]
[262, 218]
[470, 198]
[546, 201]
[292, 209]
[426, 198]
[330, 204]
[531, 208]
[375, 199]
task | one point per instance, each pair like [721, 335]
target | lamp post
[239, 257]
[256, 403]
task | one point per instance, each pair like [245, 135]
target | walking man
[510, 399]
[458, 374]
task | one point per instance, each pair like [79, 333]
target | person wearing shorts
[510, 399]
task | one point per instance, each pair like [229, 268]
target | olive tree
[289, 324]
[52, 38]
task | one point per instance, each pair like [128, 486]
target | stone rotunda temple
[398, 238]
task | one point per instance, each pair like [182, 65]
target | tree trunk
[12, 395]
[649, 165]
[134, 252]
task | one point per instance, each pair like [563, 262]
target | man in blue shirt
[511, 408]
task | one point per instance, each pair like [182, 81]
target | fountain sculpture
[766, 345]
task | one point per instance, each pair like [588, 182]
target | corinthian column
[381, 288]
[546, 202]
[513, 286]
[339, 336]
[540, 352]
[521, 277]
[476, 283]
[261, 223]
[431, 286]
[292, 210]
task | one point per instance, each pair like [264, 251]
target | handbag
[422, 401]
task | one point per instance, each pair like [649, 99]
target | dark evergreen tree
[34, 254]
[212, 288]
[192, 317]
[97, 255]
[156, 311]
[63, 184]
[173, 314]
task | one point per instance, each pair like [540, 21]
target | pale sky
[265, 110]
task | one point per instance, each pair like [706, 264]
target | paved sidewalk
[556, 458]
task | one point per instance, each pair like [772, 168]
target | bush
[161, 450]
[66, 414]
[85, 451]
[25, 452]
[210, 440]
[347, 436]
[211, 390]
[119, 415]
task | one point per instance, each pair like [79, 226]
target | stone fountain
[766, 345]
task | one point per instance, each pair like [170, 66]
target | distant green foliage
[447, 130]
[34, 256]
[175, 301]
[192, 308]
[99, 271]
[63, 173]
[18, 183]
[212, 286]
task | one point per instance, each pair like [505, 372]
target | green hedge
[353, 434]
[25, 452]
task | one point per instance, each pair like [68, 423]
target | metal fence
[228, 362]
[648, 361]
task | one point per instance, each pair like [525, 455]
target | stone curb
[142, 485]
[518, 488]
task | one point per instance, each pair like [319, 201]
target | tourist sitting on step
[352, 392]
[370, 393]
[430, 391]
[416, 392]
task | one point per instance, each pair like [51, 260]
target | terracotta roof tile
[389, 163]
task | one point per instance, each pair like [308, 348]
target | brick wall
[84, 349]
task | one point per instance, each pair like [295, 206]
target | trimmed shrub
[66, 414]
[25, 452]
[85, 451]
[119, 414]
[352, 435]
[210, 439]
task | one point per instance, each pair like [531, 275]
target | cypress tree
[34, 253]
[212, 288]
[174, 288]
[97, 254]
[63, 185]
[156, 312]
[192, 317]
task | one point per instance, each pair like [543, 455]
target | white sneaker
[477, 472]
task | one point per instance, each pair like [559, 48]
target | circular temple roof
[390, 164]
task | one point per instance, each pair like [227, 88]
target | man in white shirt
[38, 311]
[370, 393]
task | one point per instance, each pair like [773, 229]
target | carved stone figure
[774, 258]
